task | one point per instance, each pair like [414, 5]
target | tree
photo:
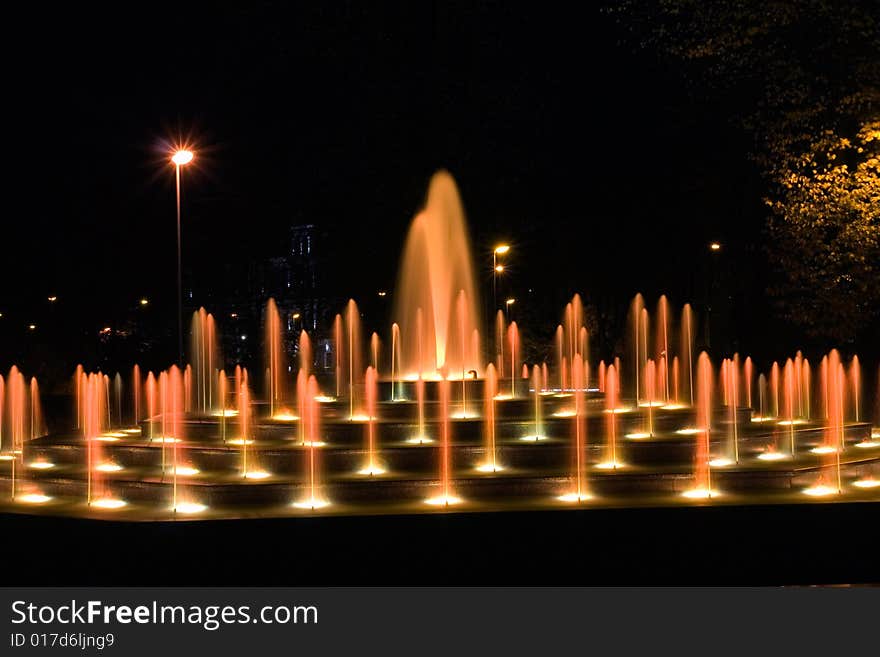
[825, 230]
[803, 80]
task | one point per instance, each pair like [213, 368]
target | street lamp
[508, 304]
[715, 246]
[501, 249]
[180, 158]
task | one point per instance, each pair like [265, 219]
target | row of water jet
[675, 370]
[571, 341]
[206, 362]
[21, 420]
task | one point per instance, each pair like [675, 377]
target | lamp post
[180, 158]
[501, 249]
[714, 250]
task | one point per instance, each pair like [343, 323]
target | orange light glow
[182, 157]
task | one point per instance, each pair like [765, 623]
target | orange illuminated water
[436, 266]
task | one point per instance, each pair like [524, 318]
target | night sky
[602, 167]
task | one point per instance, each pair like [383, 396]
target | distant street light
[32, 327]
[52, 299]
[144, 301]
[501, 249]
[715, 246]
[180, 158]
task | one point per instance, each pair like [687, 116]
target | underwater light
[108, 503]
[443, 500]
[700, 493]
[257, 474]
[33, 498]
[190, 508]
[820, 490]
[574, 497]
[311, 503]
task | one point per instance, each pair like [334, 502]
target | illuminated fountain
[612, 401]
[490, 387]
[447, 497]
[580, 489]
[703, 454]
[276, 444]
[372, 466]
[312, 421]
[435, 268]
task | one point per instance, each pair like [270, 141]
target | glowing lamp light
[499, 268]
[443, 500]
[866, 444]
[371, 470]
[190, 508]
[182, 157]
[419, 440]
[144, 301]
[823, 449]
[574, 497]
[108, 467]
[772, 456]
[715, 246]
[256, 474]
[867, 483]
[610, 465]
[720, 462]
[820, 490]
[6, 457]
[533, 438]
[638, 435]
[501, 249]
[52, 299]
[311, 503]
[688, 431]
[240, 441]
[313, 443]
[510, 302]
[164, 439]
[185, 471]
[33, 498]
[41, 465]
[324, 399]
[110, 503]
[489, 467]
[700, 494]
[285, 417]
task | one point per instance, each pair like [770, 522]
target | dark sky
[596, 163]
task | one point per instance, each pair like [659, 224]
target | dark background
[602, 167]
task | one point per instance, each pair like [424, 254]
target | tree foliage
[803, 79]
[825, 229]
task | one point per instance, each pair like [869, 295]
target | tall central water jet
[437, 265]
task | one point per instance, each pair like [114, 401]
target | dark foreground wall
[792, 544]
